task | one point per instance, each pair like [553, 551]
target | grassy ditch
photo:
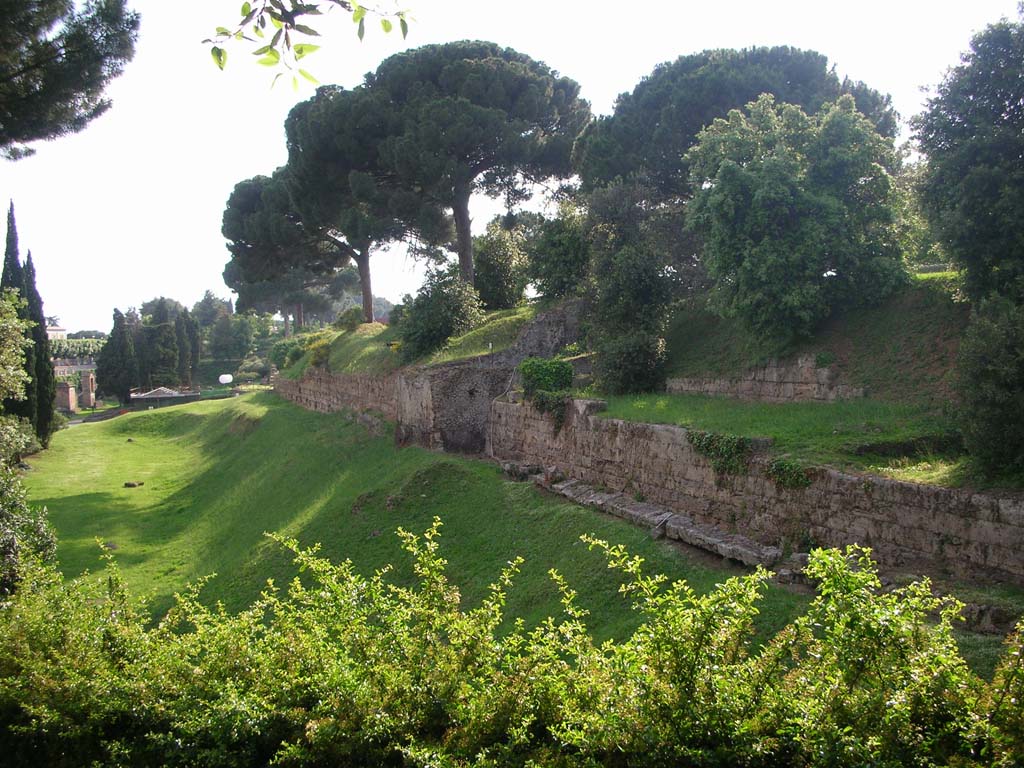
[218, 474]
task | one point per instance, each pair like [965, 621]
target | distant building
[71, 365]
[161, 396]
[56, 332]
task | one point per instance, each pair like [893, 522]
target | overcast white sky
[130, 208]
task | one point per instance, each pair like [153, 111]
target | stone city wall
[775, 381]
[320, 390]
[905, 524]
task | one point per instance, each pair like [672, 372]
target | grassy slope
[218, 474]
[901, 351]
[367, 350]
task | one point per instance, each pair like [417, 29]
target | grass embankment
[848, 434]
[374, 347]
[901, 352]
[218, 474]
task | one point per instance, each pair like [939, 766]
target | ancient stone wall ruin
[320, 390]
[776, 381]
[905, 524]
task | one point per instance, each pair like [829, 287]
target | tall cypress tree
[195, 341]
[117, 369]
[14, 277]
[12, 264]
[44, 381]
[184, 351]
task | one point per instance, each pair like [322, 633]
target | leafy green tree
[231, 337]
[270, 245]
[652, 128]
[972, 133]
[472, 116]
[990, 386]
[630, 291]
[56, 59]
[161, 309]
[208, 309]
[796, 212]
[117, 368]
[43, 380]
[339, 188]
[500, 266]
[445, 306]
[560, 254]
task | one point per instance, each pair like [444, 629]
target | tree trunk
[363, 263]
[287, 325]
[464, 237]
[300, 320]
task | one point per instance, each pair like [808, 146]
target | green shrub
[350, 319]
[990, 387]
[343, 669]
[728, 454]
[319, 352]
[787, 473]
[500, 267]
[444, 307]
[633, 362]
[24, 532]
[281, 350]
[253, 368]
[542, 374]
[295, 353]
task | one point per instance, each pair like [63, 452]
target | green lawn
[218, 474]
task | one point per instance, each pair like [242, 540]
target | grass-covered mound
[900, 351]
[217, 475]
[375, 347]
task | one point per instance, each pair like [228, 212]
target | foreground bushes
[343, 669]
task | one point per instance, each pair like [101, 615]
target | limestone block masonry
[776, 382]
[319, 390]
[907, 525]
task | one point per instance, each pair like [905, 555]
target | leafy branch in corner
[288, 24]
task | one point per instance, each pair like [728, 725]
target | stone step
[662, 522]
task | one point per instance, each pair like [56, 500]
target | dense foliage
[343, 669]
[445, 306]
[541, 374]
[56, 58]
[500, 267]
[796, 212]
[473, 116]
[559, 255]
[653, 127]
[117, 366]
[972, 133]
[990, 386]
[631, 290]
